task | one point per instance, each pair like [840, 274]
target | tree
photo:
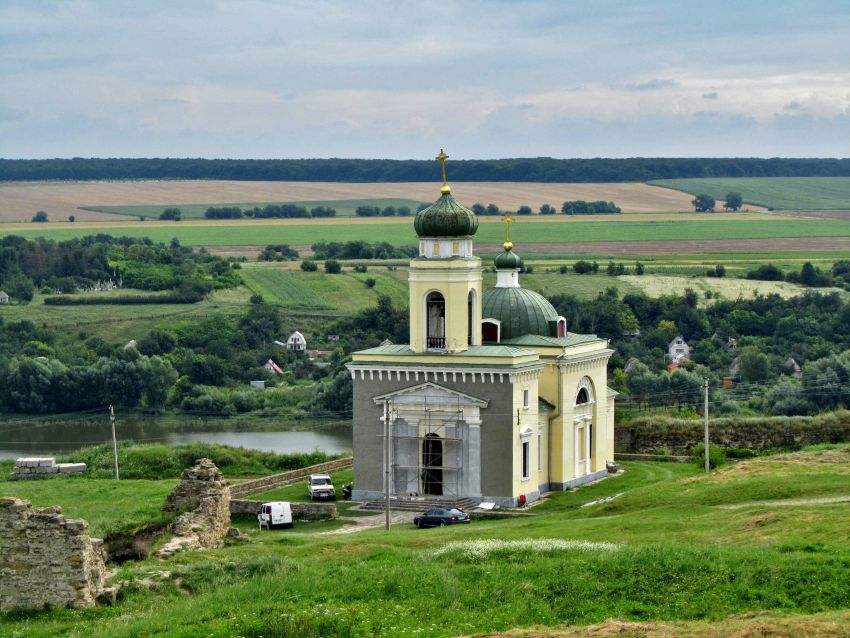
[639, 269]
[523, 210]
[388, 211]
[40, 216]
[753, 364]
[332, 267]
[404, 211]
[733, 201]
[492, 209]
[20, 287]
[72, 219]
[546, 209]
[479, 209]
[173, 214]
[704, 203]
[309, 266]
[582, 267]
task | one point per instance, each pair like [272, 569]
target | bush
[767, 272]
[583, 267]
[361, 268]
[171, 213]
[370, 282]
[309, 266]
[333, 267]
[716, 455]
[564, 269]
[40, 216]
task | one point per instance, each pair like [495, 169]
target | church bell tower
[445, 279]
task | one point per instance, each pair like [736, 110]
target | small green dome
[508, 260]
[446, 218]
[521, 311]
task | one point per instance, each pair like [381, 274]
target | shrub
[361, 268]
[563, 269]
[309, 266]
[716, 455]
[333, 267]
[370, 282]
[40, 216]
[171, 213]
[583, 267]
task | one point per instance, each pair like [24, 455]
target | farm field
[761, 540]
[20, 200]
[343, 207]
[729, 288]
[779, 193]
[561, 230]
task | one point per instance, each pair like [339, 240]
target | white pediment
[430, 394]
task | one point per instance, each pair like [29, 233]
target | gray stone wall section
[496, 433]
[300, 511]
[46, 560]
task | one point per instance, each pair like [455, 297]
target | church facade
[492, 399]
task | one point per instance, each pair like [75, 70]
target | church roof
[521, 311]
[472, 351]
[508, 259]
[446, 218]
[532, 340]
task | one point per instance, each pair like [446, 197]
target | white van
[276, 514]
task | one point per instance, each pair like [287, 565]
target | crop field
[343, 207]
[729, 288]
[562, 231]
[344, 293]
[779, 193]
[20, 200]
[764, 540]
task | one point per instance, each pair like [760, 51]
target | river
[45, 437]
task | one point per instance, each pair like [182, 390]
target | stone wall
[46, 560]
[202, 501]
[34, 467]
[300, 511]
[288, 478]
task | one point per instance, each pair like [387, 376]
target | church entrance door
[432, 464]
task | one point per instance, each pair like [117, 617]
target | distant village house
[296, 342]
[679, 350]
[4, 298]
[272, 368]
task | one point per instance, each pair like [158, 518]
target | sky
[400, 80]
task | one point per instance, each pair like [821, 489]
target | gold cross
[442, 157]
[508, 221]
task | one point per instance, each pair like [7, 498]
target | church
[492, 400]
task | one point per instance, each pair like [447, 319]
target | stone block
[71, 468]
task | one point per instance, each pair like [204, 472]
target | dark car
[439, 516]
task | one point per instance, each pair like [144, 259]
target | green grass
[122, 323]
[344, 293]
[561, 231]
[343, 207]
[780, 193]
[679, 555]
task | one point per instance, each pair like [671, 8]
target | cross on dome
[442, 157]
[508, 245]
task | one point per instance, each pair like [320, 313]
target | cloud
[711, 95]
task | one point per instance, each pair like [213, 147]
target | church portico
[492, 399]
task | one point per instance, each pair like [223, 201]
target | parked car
[320, 486]
[439, 516]
[276, 514]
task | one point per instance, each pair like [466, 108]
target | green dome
[445, 218]
[521, 311]
[508, 260]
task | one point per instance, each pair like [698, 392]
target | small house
[272, 368]
[4, 298]
[296, 342]
[260, 385]
[790, 366]
[678, 349]
[333, 338]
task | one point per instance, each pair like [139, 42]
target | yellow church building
[491, 399]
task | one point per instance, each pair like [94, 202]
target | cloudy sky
[395, 79]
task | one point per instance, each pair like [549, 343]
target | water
[51, 438]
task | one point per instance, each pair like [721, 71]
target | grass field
[779, 193]
[561, 230]
[677, 549]
[20, 200]
[343, 207]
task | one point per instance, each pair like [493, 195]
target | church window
[470, 317]
[539, 452]
[525, 398]
[490, 330]
[436, 249]
[562, 327]
[435, 310]
[590, 438]
[582, 397]
[455, 248]
[526, 459]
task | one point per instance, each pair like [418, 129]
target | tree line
[270, 211]
[540, 169]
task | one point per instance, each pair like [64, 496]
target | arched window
[582, 397]
[435, 312]
[471, 318]
[562, 327]
[432, 465]
[490, 330]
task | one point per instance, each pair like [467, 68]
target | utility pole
[114, 441]
[705, 414]
[387, 461]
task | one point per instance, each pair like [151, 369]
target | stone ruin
[39, 467]
[45, 560]
[202, 502]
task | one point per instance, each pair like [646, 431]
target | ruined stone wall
[46, 560]
[202, 501]
[300, 511]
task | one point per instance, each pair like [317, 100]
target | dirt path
[362, 523]
[825, 500]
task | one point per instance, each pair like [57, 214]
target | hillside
[674, 549]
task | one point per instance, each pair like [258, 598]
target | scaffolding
[426, 446]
